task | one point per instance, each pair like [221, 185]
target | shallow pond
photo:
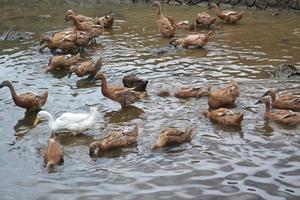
[260, 160]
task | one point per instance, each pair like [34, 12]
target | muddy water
[259, 160]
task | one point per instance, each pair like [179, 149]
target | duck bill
[258, 102]
[94, 79]
[265, 94]
[66, 18]
[70, 74]
[36, 121]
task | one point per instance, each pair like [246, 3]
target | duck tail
[240, 117]
[44, 97]
[164, 93]
[50, 166]
[154, 147]
[98, 64]
[135, 130]
[189, 131]
[209, 33]
[142, 94]
[205, 113]
[193, 26]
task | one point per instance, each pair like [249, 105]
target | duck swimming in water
[27, 100]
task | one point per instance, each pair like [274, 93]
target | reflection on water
[259, 160]
[124, 115]
[25, 124]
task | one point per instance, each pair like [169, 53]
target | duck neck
[267, 106]
[103, 85]
[159, 12]
[75, 21]
[216, 9]
[273, 96]
[50, 119]
[13, 92]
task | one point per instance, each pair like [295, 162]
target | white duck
[74, 122]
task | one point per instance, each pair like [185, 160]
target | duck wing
[229, 12]
[128, 95]
[291, 99]
[67, 118]
[225, 112]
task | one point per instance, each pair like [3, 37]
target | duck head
[205, 92]
[94, 148]
[213, 5]
[265, 99]
[71, 18]
[99, 62]
[99, 76]
[72, 70]
[39, 117]
[156, 4]
[45, 39]
[5, 83]
[175, 41]
[269, 93]
[69, 12]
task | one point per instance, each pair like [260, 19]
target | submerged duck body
[228, 15]
[27, 100]
[74, 122]
[125, 96]
[285, 102]
[185, 25]
[106, 21]
[286, 117]
[172, 136]
[225, 116]
[132, 81]
[114, 140]
[62, 62]
[53, 154]
[89, 68]
[65, 41]
[204, 19]
[192, 40]
[223, 97]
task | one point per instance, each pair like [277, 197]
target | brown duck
[165, 24]
[125, 96]
[285, 102]
[65, 41]
[114, 140]
[186, 92]
[132, 81]
[80, 18]
[53, 154]
[87, 68]
[86, 38]
[172, 136]
[106, 21]
[82, 26]
[286, 117]
[27, 100]
[204, 19]
[228, 15]
[225, 116]
[192, 40]
[224, 96]
[62, 62]
[185, 25]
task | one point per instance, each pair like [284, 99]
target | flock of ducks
[84, 30]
